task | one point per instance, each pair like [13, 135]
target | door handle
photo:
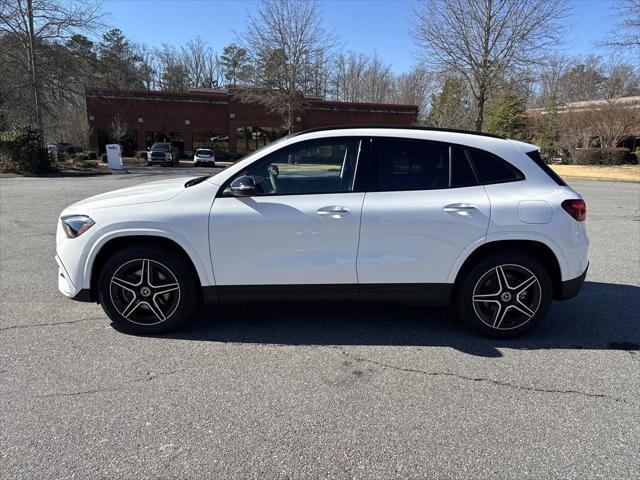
[458, 208]
[335, 211]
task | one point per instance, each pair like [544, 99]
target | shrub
[92, 155]
[21, 152]
[86, 164]
[103, 158]
[72, 149]
[602, 156]
[80, 157]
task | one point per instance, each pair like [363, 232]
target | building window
[187, 122]
[140, 120]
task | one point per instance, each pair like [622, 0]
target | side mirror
[243, 186]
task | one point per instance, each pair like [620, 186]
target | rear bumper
[571, 288]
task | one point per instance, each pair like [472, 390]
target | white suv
[386, 214]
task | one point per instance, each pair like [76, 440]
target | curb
[601, 179]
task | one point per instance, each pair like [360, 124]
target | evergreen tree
[506, 116]
[119, 63]
[450, 108]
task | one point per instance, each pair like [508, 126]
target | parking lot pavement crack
[52, 324]
[490, 381]
[81, 392]
[149, 376]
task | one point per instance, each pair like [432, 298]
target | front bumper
[65, 284]
[68, 289]
[571, 288]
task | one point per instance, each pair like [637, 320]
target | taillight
[576, 208]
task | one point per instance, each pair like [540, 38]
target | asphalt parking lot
[320, 391]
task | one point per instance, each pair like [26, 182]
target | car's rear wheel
[147, 290]
[504, 295]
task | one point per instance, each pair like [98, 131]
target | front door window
[316, 166]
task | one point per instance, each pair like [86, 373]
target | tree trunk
[34, 73]
[482, 97]
[289, 115]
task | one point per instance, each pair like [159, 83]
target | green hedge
[21, 152]
[603, 156]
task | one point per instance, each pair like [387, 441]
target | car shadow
[603, 316]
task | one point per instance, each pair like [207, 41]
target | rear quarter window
[535, 156]
[492, 169]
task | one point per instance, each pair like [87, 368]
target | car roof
[399, 127]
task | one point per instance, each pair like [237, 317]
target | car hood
[146, 193]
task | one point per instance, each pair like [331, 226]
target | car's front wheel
[504, 295]
[147, 290]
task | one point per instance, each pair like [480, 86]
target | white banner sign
[114, 157]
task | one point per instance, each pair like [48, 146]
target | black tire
[161, 307]
[494, 311]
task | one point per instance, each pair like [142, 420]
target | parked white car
[387, 214]
[204, 157]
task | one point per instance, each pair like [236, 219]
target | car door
[297, 233]
[424, 209]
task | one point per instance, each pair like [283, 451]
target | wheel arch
[103, 249]
[535, 248]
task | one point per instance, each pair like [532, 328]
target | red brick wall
[212, 112]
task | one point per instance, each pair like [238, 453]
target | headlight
[76, 225]
[169, 156]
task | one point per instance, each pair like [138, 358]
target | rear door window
[461, 171]
[408, 164]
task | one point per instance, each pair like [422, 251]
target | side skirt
[434, 294]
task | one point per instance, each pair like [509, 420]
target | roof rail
[399, 127]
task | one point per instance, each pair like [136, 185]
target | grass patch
[625, 173]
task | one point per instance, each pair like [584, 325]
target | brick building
[214, 119]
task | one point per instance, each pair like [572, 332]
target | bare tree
[119, 129]
[362, 78]
[174, 74]
[377, 81]
[626, 34]
[149, 67]
[38, 24]
[201, 64]
[414, 88]
[482, 39]
[348, 78]
[283, 38]
[611, 120]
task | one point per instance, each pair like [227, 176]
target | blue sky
[364, 26]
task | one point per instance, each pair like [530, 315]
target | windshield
[204, 153]
[161, 146]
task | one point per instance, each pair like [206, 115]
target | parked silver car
[204, 157]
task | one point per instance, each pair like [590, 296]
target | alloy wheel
[144, 291]
[507, 297]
